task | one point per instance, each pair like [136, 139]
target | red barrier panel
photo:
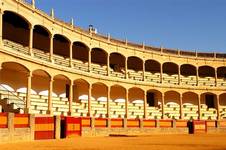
[21, 121]
[149, 123]
[133, 123]
[101, 122]
[3, 120]
[199, 126]
[44, 128]
[86, 122]
[181, 123]
[73, 127]
[210, 124]
[222, 123]
[165, 123]
[116, 123]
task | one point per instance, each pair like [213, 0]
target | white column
[28, 94]
[71, 54]
[145, 104]
[163, 102]
[108, 101]
[1, 27]
[181, 107]
[70, 98]
[126, 104]
[197, 76]
[218, 106]
[161, 71]
[49, 111]
[215, 76]
[89, 101]
[143, 70]
[108, 65]
[126, 68]
[31, 40]
[89, 61]
[51, 49]
[179, 75]
[199, 106]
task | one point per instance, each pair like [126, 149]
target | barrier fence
[46, 127]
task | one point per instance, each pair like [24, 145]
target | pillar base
[49, 112]
[27, 110]
[69, 113]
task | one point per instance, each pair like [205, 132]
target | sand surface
[154, 142]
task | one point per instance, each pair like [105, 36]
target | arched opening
[80, 51]
[208, 106]
[190, 105]
[99, 56]
[99, 61]
[99, 93]
[154, 100]
[117, 95]
[15, 28]
[206, 76]
[61, 46]
[117, 62]
[170, 73]
[206, 71]
[81, 92]
[172, 104]
[222, 102]
[170, 68]
[13, 77]
[152, 69]
[135, 63]
[40, 83]
[188, 74]
[221, 76]
[41, 38]
[135, 68]
[136, 103]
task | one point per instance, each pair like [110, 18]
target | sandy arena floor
[155, 142]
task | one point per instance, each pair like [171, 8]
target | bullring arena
[60, 81]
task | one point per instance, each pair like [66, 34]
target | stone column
[49, 111]
[199, 106]
[10, 121]
[51, 49]
[143, 70]
[161, 72]
[215, 76]
[57, 127]
[108, 102]
[179, 75]
[126, 104]
[89, 61]
[28, 94]
[70, 98]
[197, 76]
[31, 40]
[126, 68]
[1, 27]
[32, 125]
[89, 101]
[71, 54]
[181, 107]
[163, 102]
[218, 107]
[145, 105]
[108, 65]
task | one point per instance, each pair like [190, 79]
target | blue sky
[180, 24]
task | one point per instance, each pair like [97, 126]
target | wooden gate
[73, 127]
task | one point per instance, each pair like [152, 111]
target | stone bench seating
[117, 74]
[16, 46]
[39, 103]
[221, 83]
[41, 54]
[81, 110]
[60, 60]
[43, 112]
[37, 107]
[62, 109]
[60, 105]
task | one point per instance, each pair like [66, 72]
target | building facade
[52, 67]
